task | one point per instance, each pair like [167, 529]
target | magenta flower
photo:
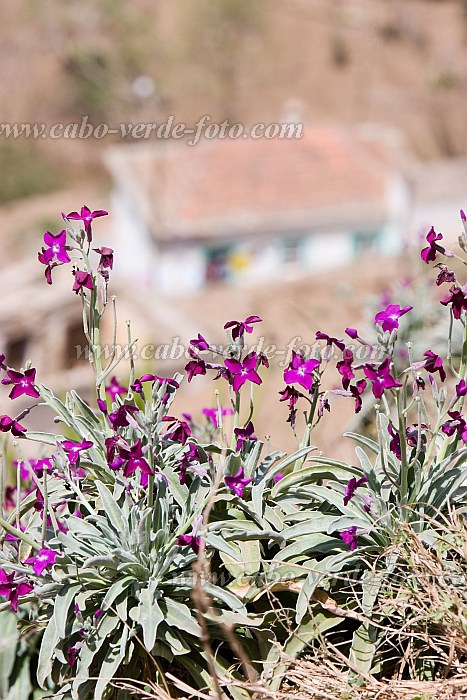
[300, 371]
[457, 423]
[352, 485]
[238, 328]
[429, 254]
[330, 340]
[44, 558]
[461, 388]
[278, 477]
[200, 343]
[107, 258]
[212, 414]
[115, 389]
[357, 392]
[12, 589]
[12, 425]
[134, 460]
[193, 541]
[239, 372]
[237, 483]
[434, 363]
[352, 333]
[195, 366]
[389, 319]
[87, 217]
[245, 434]
[178, 431]
[291, 395]
[83, 280]
[344, 367]
[395, 444]
[56, 247]
[446, 275]
[458, 301]
[23, 383]
[350, 537]
[381, 377]
[120, 418]
[73, 449]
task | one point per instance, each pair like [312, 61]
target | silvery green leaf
[22, 685]
[179, 615]
[50, 639]
[112, 509]
[216, 542]
[110, 664]
[115, 590]
[8, 641]
[62, 603]
[150, 616]
[225, 596]
[317, 542]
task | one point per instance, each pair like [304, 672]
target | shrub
[148, 547]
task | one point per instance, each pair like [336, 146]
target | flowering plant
[138, 539]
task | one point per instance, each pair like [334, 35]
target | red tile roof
[251, 183]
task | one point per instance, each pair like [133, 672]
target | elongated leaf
[62, 603]
[50, 639]
[150, 616]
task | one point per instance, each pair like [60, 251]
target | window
[76, 347]
[16, 351]
[365, 242]
[218, 264]
[292, 250]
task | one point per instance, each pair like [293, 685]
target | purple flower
[350, 537]
[134, 460]
[190, 460]
[237, 483]
[56, 249]
[344, 367]
[23, 383]
[446, 275]
[195, 366]
[119, 418]
[389, 319]
[456, 424]
[352, 485]
[357, 392]
[330, 340]
[434, 363]
[291, 395]
[83, 280]
[461, 388]
[72, 653]
[102, 406]
[243, 372]
[44, 558]
[73, 449]
[115, 389]
[278, 477]
[244, 434]
[86, 216]
[12, 425]
[12, 589]
[238, 328]
[200, 343]
[381, 378]
[395, 444]
[323, 404]
[178, 431]
[107, 258]
[429, 254]
[193, 541]
[300, 371]
[458, 301]
[352, 333]
[213, 414]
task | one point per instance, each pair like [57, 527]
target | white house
[253, 210]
